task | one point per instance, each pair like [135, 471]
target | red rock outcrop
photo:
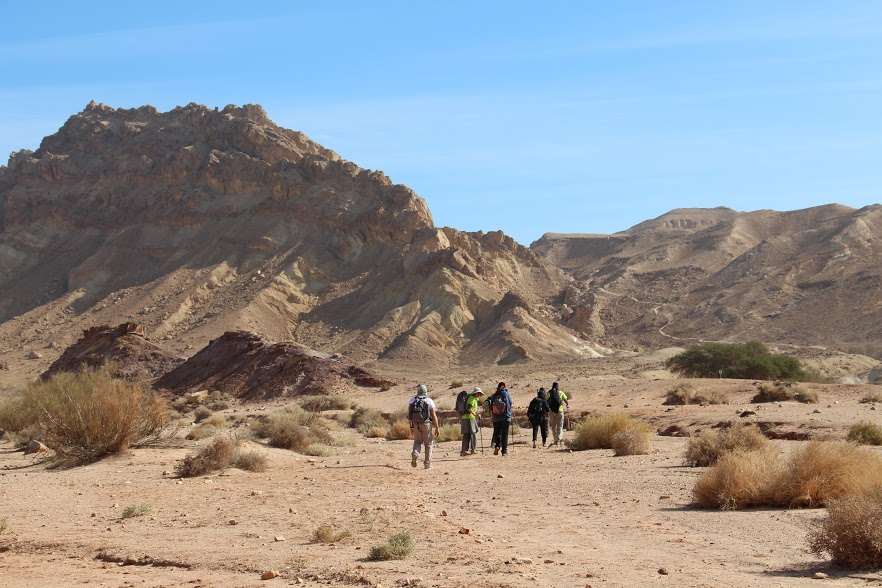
[248, 367]
[124, 348]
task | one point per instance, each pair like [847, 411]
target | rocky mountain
[198, 221]
[804, 277]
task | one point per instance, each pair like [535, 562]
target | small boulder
[34, 355]
[269, 575]
[35, 446]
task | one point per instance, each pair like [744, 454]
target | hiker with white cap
[423, 418]
[469, 422]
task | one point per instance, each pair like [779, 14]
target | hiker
[469, 419]
[537, 412]
[558, 403]
[423, 424]
[501, 412]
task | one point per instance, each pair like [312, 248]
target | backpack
[554, 400]
[534, 411]
[498, 406]
[461, 399]
[418, 411]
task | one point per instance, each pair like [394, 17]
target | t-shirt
[563, 402]
[471, 408]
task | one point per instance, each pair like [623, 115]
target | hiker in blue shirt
[501, 413]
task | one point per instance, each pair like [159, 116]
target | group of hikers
[546, 410]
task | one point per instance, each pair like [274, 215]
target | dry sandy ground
[537, 517]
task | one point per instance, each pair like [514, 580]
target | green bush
[399, 546]
[736, 360]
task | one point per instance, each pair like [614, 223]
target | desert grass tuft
[217, 455]
[597, 432]
[865, 433]
[250, 461]
[685, 393]
[783, 392]
[706, 448]
[328, 534]
[635, 441]
[399, 429]
[450, 432]
[397, 547]
[321, 403]
[811, 476]
[135, 510]
[851, 532]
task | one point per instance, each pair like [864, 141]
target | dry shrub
[449, 432]
[323, 403]
[296, 429]
[741, 479]
[784, 391]
[208, 428]
[398, 546]
[597, 432]
[872, 397]
[865, 433]
[685, 393]
[4, 527]
[216, 455]
[400, 429]
[706, 448]
[201, 413]
[328, 534]
[377, 432]
[250, 461]
[812, 476]
[88, 415]
[822, 471]
[135, 510]
[455, 384]
[851, 533]
[635, 441]
[363, 419]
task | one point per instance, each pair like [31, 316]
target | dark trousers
[500, 435]
[469, 430]
[540, 426]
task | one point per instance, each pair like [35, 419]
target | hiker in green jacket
[558, 403]
[469, 422]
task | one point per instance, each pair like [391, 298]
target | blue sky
[522, 116]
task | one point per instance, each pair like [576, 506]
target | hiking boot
[413, 461]
[427, 466]
[504, 453]
[463, 454]
[472, 452]
[534, 445]
[495, 451]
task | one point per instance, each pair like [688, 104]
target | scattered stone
[464, 531]
[663, 571]
[34, 355]
[746, 413]
[443, 513]
[499, 476]
[820, 576]
[232, 522]
[35, 446]
[269, 575]
[278, 538]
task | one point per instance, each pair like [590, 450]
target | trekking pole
[481, 435]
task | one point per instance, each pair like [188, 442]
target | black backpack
[418, 411]
[554, 400]
[534, 411]
[461, 399]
